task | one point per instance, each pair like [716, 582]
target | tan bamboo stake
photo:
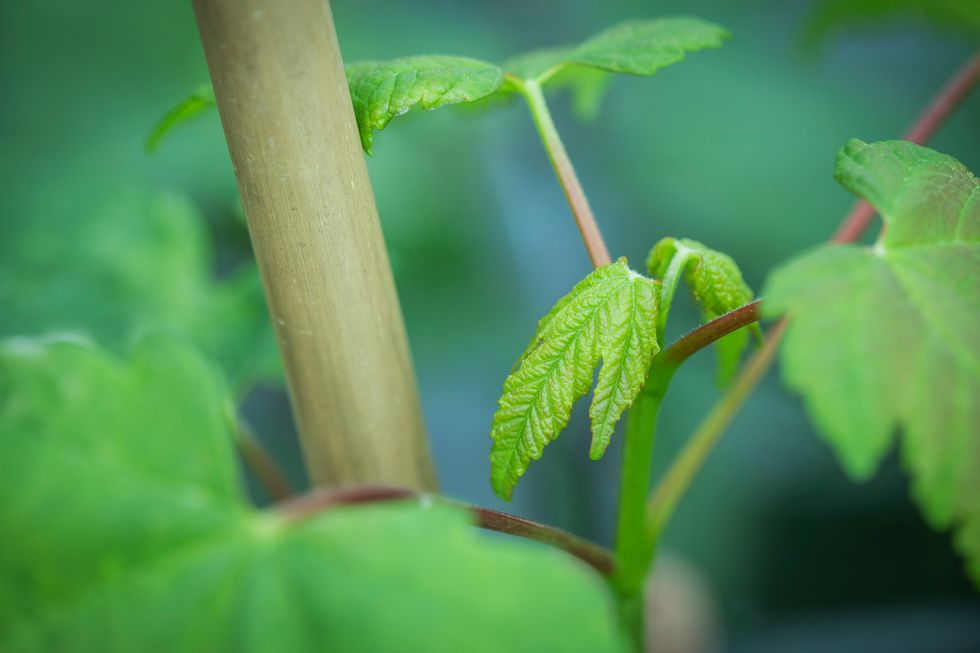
[287, 115]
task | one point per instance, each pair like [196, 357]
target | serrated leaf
[382, 90]
[636, 47]
[611, 314]
[199, 102]
[642, 47]
[139, 261]
[886, 337]
[717, 285]
[124, 527]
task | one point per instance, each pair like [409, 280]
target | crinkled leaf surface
[611, 314]
[382, 90]
[716, 282]
[887, 338]
[125, 530]
[136, 262]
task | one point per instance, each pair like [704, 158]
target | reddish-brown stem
[584, 219]
[312, 503]
[950, 97]
[257, 459]
[699, 446]
[706, 334]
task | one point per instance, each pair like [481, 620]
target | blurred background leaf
[144, 535]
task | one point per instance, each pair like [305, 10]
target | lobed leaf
[611, 314]
[382, 90]
[125, 527]
[717, 285]
[636, 47]
[886, 337]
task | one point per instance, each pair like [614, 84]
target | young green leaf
[382, 90]
[194, 105]
[611, 314]
[886, 337]
[125, 526]
[717, 285]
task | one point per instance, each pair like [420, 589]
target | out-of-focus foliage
[889, 336]
[957, 15]
[141, 262]
[125, 527]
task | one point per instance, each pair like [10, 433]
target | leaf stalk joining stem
[584, 218]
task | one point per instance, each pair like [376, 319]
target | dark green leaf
[382, 90]
[886, 337]
[124, 527]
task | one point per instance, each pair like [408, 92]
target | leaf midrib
[521, 432]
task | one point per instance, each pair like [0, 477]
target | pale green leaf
[717, 285]
[199, 102]
[125, 527]
[885, 338]
[382, 90]
[611, 314]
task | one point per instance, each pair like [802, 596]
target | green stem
[632, 555]
[672, 277]
[682, 471]
[589, 230]
[678, 478]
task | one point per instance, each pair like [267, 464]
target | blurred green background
[732, 147]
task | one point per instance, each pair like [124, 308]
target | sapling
[877, 338]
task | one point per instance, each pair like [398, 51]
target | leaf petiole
[531, 91]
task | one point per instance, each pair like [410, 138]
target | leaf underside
[718, 287]
[125, 527]
[609, 315]
[635, 47]
[886, 338]
[381, 90]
